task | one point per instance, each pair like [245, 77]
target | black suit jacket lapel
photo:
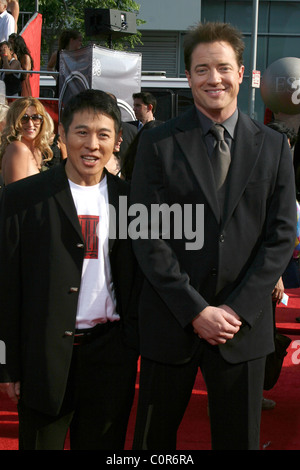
[63, 196]
[246, 151]
[189, 137]
[113, 199]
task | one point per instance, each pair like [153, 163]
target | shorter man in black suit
[68, 291]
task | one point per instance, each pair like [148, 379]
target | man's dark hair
[96, 100]
[147, 99]
[212, 32]
[283, 129]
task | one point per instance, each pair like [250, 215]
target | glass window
[284, 17]
[213, 10]
[283, 47]
[240, 15]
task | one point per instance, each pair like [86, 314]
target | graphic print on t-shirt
[89, 228]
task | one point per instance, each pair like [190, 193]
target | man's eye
[201, 71]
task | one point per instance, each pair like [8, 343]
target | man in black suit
[68, 291]
[207, 303]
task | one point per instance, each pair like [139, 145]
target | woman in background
[69, 40]
[23, 55]
[3, 112]
[24, 148]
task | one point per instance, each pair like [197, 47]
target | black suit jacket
[41, 258]
[129, 133]
[134, 123]
[243, 254]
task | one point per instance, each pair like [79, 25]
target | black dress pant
[234, 395]
[97, 402]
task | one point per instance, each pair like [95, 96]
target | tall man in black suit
[208, 304]
[68, 291]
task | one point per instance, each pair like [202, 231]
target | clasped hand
[217, 324]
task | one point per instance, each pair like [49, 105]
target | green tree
[65, 14]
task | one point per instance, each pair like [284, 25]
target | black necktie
[221, 157]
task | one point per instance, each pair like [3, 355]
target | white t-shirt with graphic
[96, 297]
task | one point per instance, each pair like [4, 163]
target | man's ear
[188, 76]
[119, 140]
[62, 133]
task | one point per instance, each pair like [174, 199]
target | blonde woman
[25, 145]
[3, 112]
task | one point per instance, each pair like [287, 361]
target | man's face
[215, 78]
[90, 143]
[141, 110]
[2, 7]
[4, 49]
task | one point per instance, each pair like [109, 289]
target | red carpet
[285, 315]
[280, 427]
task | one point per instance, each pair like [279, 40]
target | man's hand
[12, 389]
[217, 324]
[277, 294]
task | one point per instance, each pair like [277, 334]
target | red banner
[32, 35]
[51, 107]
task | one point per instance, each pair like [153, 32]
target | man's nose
[214, 76]
[92, 142]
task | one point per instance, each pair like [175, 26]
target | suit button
[222, 238]
[68, 333]
[73, 289]
[80, 245]
[214, 272]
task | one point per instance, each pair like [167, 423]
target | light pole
[251, 104]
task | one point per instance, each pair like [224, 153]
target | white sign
[255, 78]
[115, 72]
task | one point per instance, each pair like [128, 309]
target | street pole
[251, 104]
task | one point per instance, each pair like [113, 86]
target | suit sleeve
[155, 255]
[275, 247]
[10, 294]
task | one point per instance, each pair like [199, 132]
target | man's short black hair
[95, 100]
[147, 98]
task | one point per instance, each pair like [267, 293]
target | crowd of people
[15, 55]
[80, 302]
